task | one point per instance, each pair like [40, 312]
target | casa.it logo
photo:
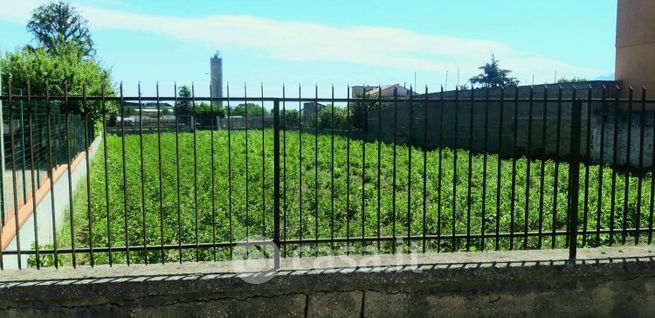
[253, 259]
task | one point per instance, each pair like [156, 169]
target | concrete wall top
[538, 90]
[603, 282]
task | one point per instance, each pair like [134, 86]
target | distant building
[386, 91]
[358, 90]
[148, 108]
[216, 73]
[309, 111]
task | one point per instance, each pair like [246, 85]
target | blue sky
[337, 42]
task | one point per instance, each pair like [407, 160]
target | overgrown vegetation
[239, 210]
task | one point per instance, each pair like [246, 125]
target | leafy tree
[254, 110]
[339, 118]
[57, 23]
[205, 114]
[493, 76]
[289, 118]
[38, 67]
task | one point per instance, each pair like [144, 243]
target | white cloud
[305, 41]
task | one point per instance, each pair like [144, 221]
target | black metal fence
[299, 188]
[30, 132]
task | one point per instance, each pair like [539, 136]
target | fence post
[574, 177]
[276, 183]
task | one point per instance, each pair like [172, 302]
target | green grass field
[251, 215]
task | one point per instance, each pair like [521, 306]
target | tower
[216, 73]
[635, 43]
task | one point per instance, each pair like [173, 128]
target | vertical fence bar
[440, 168]
[652, 183]
[349, 136]
[177, 176]
[22, 143]
[13, 172]
[455, 148]
[587, 163]
[379, 171]
[160, 171]
[213, 167]
[393, 181]
[284, 167]
[195, 168]
[553, 243]
[615, 141]
[229, 172]
[364, 117]
[51, 177]
[470, 173]
[528, 158]
[642, 124]
[125, 190]
[263, 165]
[409, 144]
[247, 164]
[89, 214]
[515, 127]
[32, 175]
[332, 173]
[425, 166]
[626, 177]
[601, 165]
[142, 175]
[106, 174]
[542, 172]
[316, 168]
[69, 158]
[574, 178]
[300, 228]
[276, 183]
[499, 165]
[485, 150]
[300, 186]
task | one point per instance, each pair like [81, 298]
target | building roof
[385, 88]
[146, 105]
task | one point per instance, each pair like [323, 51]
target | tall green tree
[493, 75]
[57, 23]
[183, 106]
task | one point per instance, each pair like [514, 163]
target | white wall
[44, 212]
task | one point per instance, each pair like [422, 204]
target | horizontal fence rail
[187, 178]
